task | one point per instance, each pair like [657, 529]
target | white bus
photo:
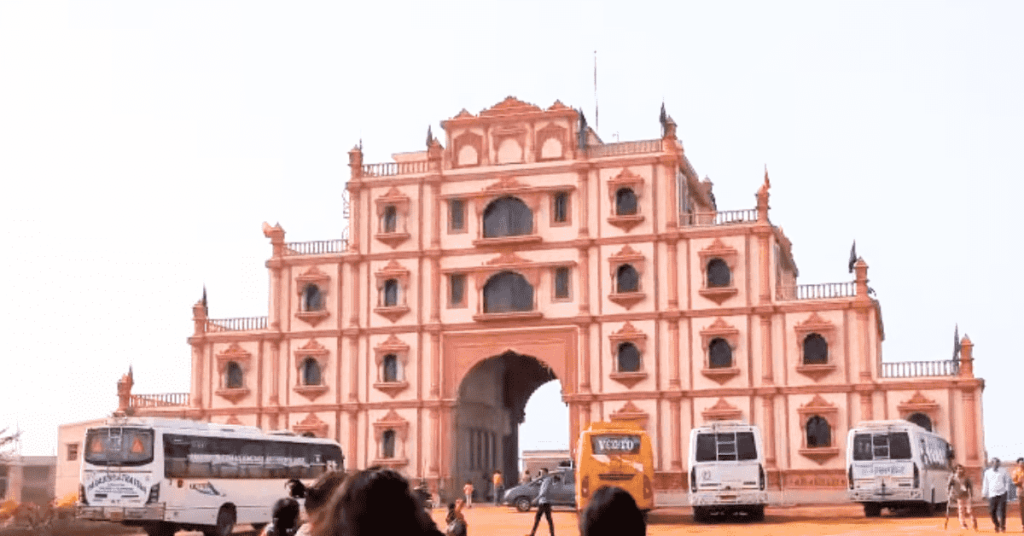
[727, 470]
[166, 475]
[892, 464]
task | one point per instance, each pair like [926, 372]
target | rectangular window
[560, 208]
[457, 287]
[456, 216]
[72, 452]
[562, 283]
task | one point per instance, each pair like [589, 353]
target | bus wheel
[225, 523]
[523, 504]
[872, 509]
[160, 529]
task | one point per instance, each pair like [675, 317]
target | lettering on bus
[116, 480]
[188, 456]
[615, 444]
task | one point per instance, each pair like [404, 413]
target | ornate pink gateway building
[525, 249]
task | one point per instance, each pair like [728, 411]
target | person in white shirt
[995, 484]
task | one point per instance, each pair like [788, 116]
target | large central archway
[490, 407]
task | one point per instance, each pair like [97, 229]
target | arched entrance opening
[490, 407]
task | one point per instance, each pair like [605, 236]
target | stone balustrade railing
[163, 400]
[920, 369]
[250, 323]
[390, 169]
[624, 148]
[818, 291]
[721, 217]
[316, 247]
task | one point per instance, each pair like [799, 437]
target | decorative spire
[853, 256]
[581, 141]
[206, 306]
[430, 136]
[663, 116]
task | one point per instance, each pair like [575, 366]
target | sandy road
[841, 520]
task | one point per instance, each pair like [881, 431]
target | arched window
[625, 202]
[921, 420]
[507, 291]
[387, 446]
[312, 299]
[719, 354]
[815, 350]
[718, 273]
[390, 220]
[819, 433]
[233, 376]
[390, 293]
[560, 208]
[390, 365]
[310, 372]
[627, 279]
[507, 216]
[628, 358]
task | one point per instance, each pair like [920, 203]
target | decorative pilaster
[768, 405]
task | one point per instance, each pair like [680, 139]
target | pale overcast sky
[142, 145]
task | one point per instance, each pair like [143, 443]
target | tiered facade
[525, 249]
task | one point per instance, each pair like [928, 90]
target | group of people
[380, 501]
[995, 486]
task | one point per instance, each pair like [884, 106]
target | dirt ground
[810, 521]
[841, 520]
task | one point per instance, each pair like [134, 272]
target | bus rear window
[885, 446]
[119, 446]
[726, 446]
[615, 444]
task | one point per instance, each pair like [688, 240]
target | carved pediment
[506, 183]
[628, 333]
[508, 258]
[722, 411]
[918, 403]
[558, 106]
[233, 353]
[626, 254]
[464, 114]
[311, 423]
[815, 324]
[392, 421]
[312, 275]
[630, 412]
[819, 406]
[719, 329]
[509, 106]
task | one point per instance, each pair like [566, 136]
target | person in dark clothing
[612, 512]
[456, 521]
[285, 518]
[543, 502]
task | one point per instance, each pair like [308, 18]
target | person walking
[1018, 480]
[995, 484]
[961, 488]
[467, 490]
[543, 502]
[526, 477]
[498, 483]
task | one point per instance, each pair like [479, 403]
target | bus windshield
[726, 446]
[119, 446]
[883, 446]
[615, 444]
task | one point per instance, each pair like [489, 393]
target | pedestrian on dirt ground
[498, 483]
[995, 484]
[612, 512]
[457, 525]
[285, 518]
[960, 487]
[1018, 480]
[318, 495]
[375, 502]
[543, 502]
[467, 490]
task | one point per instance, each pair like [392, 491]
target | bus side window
[228, 467]
[176, 450]
[277, 453]
[252, 462]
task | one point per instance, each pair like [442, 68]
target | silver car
[561, 493]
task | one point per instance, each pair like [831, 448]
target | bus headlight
[849, 476]
[693, 479]
[585, 486]
[760, 475]
[154, 494]
[81, 495]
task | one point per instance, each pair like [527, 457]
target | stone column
[867, 410]
[198, 343]
[767, 365]
[675, 431]
[768, 403]
[972, 428]
[863, 305]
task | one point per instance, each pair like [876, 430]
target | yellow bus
[615, 454]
